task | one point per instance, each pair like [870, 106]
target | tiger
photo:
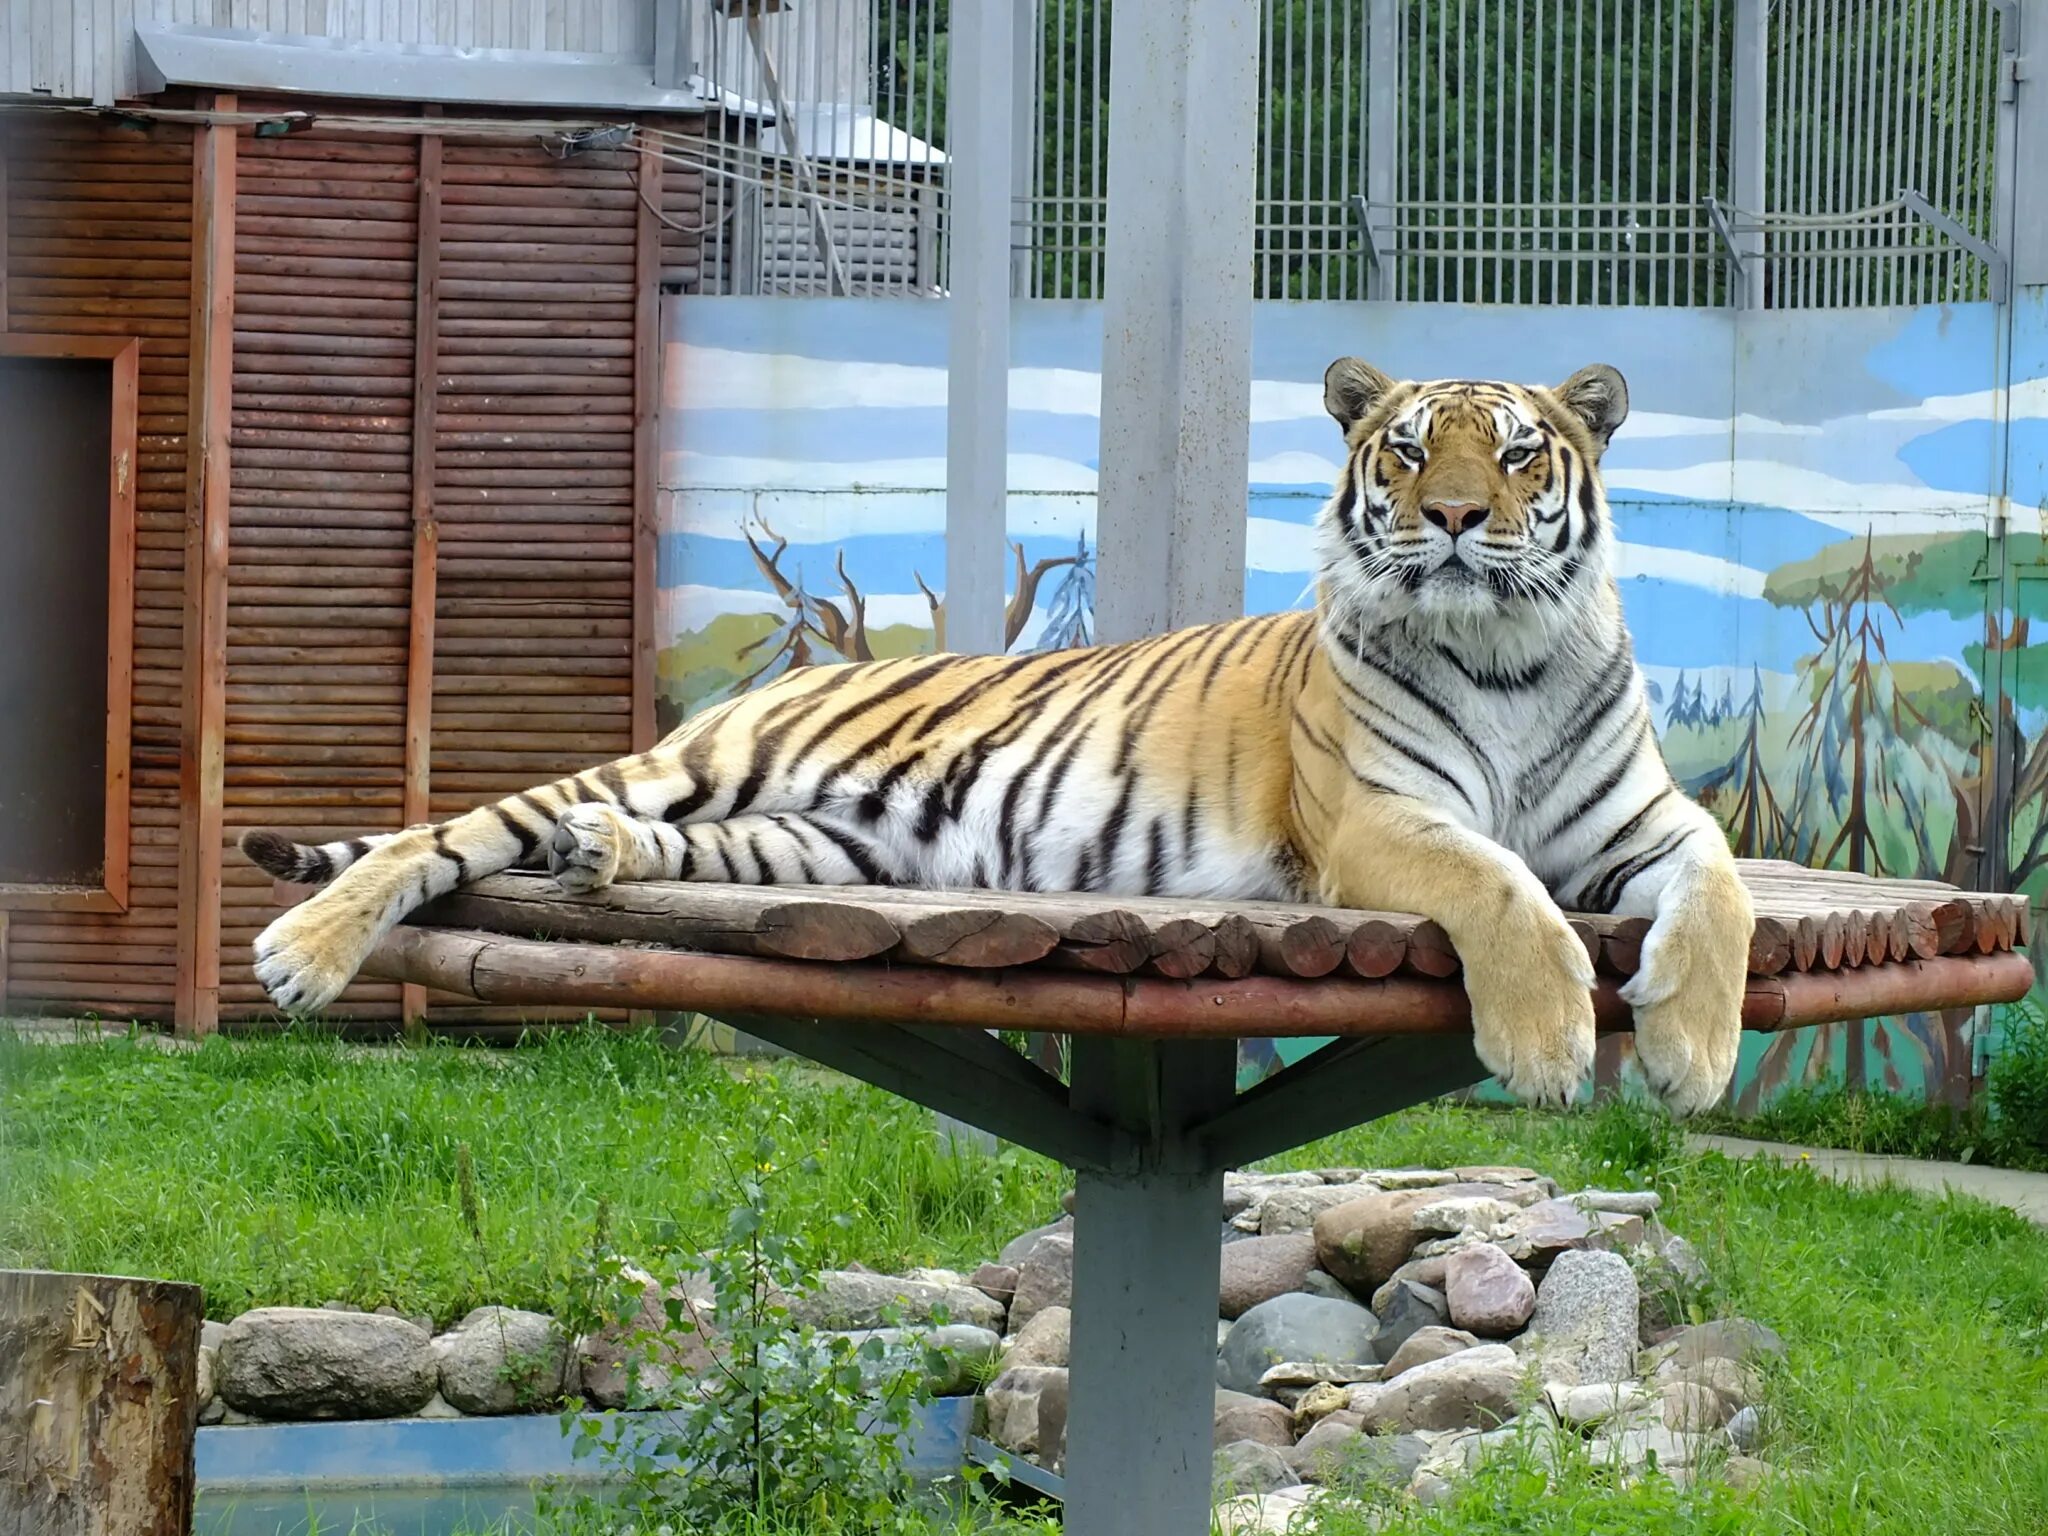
[1456, 728]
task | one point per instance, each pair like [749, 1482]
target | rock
[1632, 1448]
[1410, 1306]
[1308, 1373]
[1363, 1241]
[1316, 1455]
[1730, 1338]
[1746, 1429]
[1429, 1490]
[1689, 1406]
[1736, 1384]
[1551, 1227]
[1488, 1293]
[1264, 1514]
[1044, 1279]
[214, 1412]
[1411, 1178]
[1240, 1416]
[211, 1333]
[1464, 1213]
[1260, 1268]
[310, 1363]
[1019, 1248]
[1502, 1173]
[1296, 1210]
[1425, 1345]
[1472, 1389]
[203, 1389]
[1584, 1325]
[502, 1360]
[1428, 1271]
[438, 1407]
[1290, 1328]
[1329, 1287]
[1744, 1471]
[841, 1300]
[1317, 1403]
[223, 1414]
[1259, 1185]
[1248, 1466]
[1044, 1340]
[1067, 1201]
[945, 1277]
[1596, 1402]
[1027, 1412]
[1223, 1327]
[998, 1282]
[961, 1347]
[1620, 1202]
[680, 1351]
[1237, 1199]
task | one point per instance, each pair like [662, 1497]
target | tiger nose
[1454, 517]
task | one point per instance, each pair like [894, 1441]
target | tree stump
[98, 1404]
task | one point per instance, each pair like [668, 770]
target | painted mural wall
[1804, 502]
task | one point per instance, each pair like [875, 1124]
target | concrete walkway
[2024, 1193]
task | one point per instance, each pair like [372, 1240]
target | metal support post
[1382, 139]
[1177, 318]
[1140, 1428]
[1025, 50]
[1746, 148]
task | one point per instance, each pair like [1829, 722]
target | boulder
[1584, 1325]
[998, 1282]
[503, 1360]
[1729, 1338]
[1027, 1413]
[1317, 1403]
[1597, 1402]
[1248, 1466]
[677, 1352]
[843, 1300]
[1410, 1306]
[1487, 1292]
[1540, 1232]
[203, 1387]
[1260, 1268]
[1311, 1329]
[961, 1348]
[1472, 1389]
[309, 1363]
[1734, 1383]
[1309, 1373]
[1425, 1345]
[1363, 1241]
[1019, 1248]
[1746, 1429]
[1619, 1202]
[1240, 1416]
[1296, 1210]
[438, 1407]
[1689, 1406]
[1632, 1448]
[1463, 1213]
[1329, 1287]
[1045, 1340]
[1044, 1279]
[1280, 1513]
[1429, 1271]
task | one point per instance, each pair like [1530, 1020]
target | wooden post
[203, 734]
[3, 237]
[647, 388]
[426, 532]
[98, 1404]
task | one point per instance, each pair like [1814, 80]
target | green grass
[1914, 1398]
[296, 1171]
[1887, 1124]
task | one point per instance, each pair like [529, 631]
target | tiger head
[1469, 505]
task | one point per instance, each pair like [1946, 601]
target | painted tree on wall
[1739, 791]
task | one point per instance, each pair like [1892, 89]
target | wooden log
[1181, 947]
[99, 1402]
[1430, 952]
[1307, 946]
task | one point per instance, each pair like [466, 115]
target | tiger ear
[1598, 396]
[1351, 388]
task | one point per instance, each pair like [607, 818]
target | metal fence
[1509, 151]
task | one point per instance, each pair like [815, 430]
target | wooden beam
[120, 614]
[202, 737]
[426, 533]
[647, 387]
[3, 232]
[1341, 1085]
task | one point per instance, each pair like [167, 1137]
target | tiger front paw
[1687, 997]
[1532, 1007]
[588, 848]
[306, 957]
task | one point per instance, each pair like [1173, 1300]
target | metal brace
[1718, 217]
[1992, 257]
[1373, 252]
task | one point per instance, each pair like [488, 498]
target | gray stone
[1689, 1406]
[1259, 1268]
[1309, 1373]
[1746, 1429]
[1045, 1340]
[1463, 1213]
[203, 1388]
[1237, 1199]
[1294, 1327]
[1744, 1471]
[1338, 1452]
[1240, 1416]
[1632, 1448]
[659, 1352]
[1584, 1325]
[1503, 1173]
[841, 1300]
[998, 1282]
[502, 1360]
[1363, 1241]
[1620, 1202]
[1729, 1338]
[438, 1407]
[946, 1277]
[1296, 1210]
[1019, 1248]
[1329, 1287]
[1735, 1383]
[310, 1363]
[1429, 1490]
[1472, 1389]
[212, 1333]
[1596, 1402]
[1411, 1306]
[1411, 1178]
[1550, 1227]
[1427, 1271]
[1488, 1293]
[214, 1412]
[961, 1348]
[1027, 1413]
[1249, 1466]
[1261, 1514]
[1425, 1345]
[1044, 1279]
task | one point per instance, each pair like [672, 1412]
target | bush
[2017, 1085]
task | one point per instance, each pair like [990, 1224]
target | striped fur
[1458, 728]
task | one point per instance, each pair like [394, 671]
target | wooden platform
[1828, 946]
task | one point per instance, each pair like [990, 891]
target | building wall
[1804, 500]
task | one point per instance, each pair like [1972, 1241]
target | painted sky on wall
[1754, 440]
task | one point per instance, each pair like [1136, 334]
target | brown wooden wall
[98, 226]
[439, 508]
